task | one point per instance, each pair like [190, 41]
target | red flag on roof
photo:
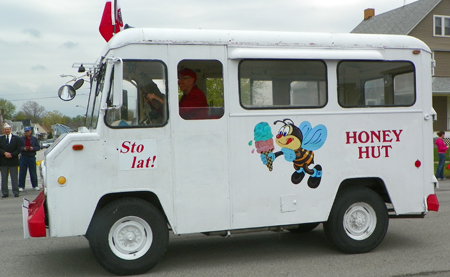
[111, 13]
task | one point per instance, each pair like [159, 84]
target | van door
[201, 192]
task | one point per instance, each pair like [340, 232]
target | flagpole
[114, 10]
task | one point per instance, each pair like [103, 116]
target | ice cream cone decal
[269, 160]
[264, 142]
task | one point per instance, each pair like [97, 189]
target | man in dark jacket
[29, 146]
[9, 160]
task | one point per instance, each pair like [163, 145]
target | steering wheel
[153, 114]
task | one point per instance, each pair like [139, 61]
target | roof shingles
[400, 21]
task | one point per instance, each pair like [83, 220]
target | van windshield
[97, 84]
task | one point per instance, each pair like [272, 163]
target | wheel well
[150, 197]
[375, 184]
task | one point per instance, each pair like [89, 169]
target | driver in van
[145, 84]
[193, 104]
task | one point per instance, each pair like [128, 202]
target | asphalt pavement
[412, 247]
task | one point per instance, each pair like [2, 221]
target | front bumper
[33, 217]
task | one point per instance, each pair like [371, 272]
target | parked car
[46, 143]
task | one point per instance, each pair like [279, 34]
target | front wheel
[128, 236]
[358, 220]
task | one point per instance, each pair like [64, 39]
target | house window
[441, 26]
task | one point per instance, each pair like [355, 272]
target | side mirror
[78, 84]
[66, 93]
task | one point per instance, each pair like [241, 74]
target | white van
[299, 129]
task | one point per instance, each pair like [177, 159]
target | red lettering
[386, 147]
[134, 162]
[125, 147]
[373, 152]
[132, 147]
[140, 164]
[386, 136]
[374, 134]
[361, 152]
[397, 135]
[143, 163]
[140, 148]
[351, 137]
[366, 152]
[366, 137]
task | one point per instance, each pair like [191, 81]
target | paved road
[412, 247]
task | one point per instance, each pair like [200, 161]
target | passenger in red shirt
[193, 104]
[193, 98]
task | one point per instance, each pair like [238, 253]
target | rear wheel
[128, 236]
[358, 220]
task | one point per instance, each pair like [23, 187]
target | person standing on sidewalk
[9, 160]
[29, 146]
[442, 150]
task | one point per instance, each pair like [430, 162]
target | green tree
[78, 119]
[250, 90]
[214, 88]
[20, 116]
[33, 111]
[51, 118]
[75, 122]
[245, 91]
[8, 108]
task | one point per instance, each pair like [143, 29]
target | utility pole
[3, 119]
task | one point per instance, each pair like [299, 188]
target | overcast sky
[40, 40]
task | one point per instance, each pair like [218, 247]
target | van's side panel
[262, 197]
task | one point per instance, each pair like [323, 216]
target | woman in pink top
[442, 149]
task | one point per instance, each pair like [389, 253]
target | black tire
[131, 219]
[304, 228]
[358, 220]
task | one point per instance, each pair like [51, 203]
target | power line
[37, 98]
[15, 94]
[33, 98]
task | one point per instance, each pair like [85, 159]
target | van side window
[141, 78]
[200, 89]
[376, 83]
[282, 84]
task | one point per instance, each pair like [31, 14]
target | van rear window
[376, 83]
[282, 84]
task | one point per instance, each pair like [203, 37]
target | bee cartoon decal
[297, 145]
